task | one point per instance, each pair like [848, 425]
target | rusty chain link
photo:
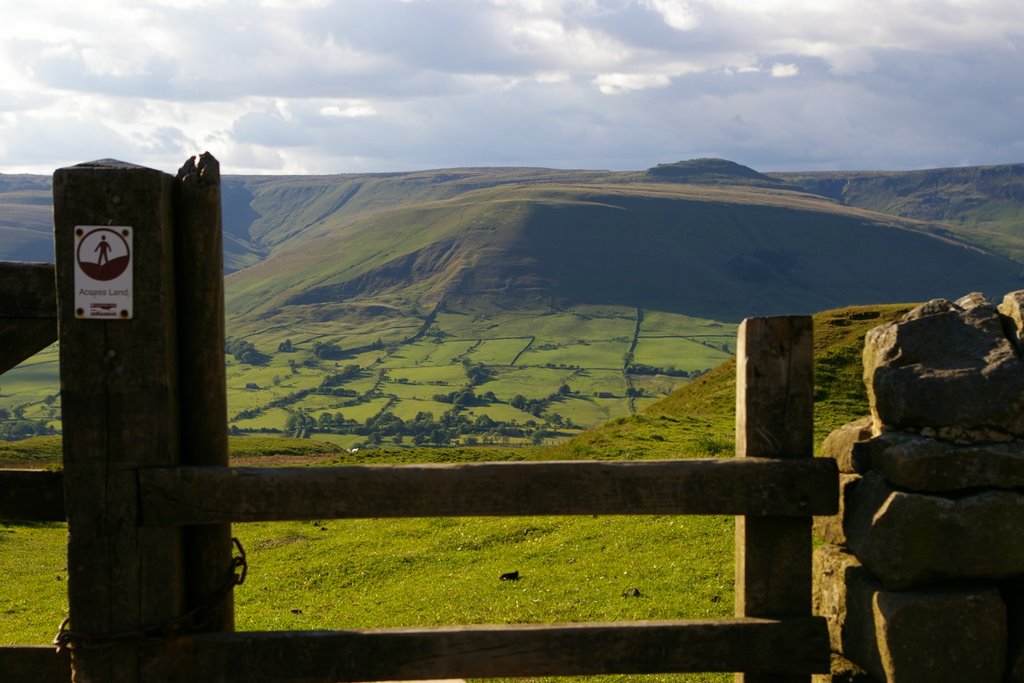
[190, 622]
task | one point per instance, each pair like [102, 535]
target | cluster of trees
[14, 425]
[536, 406]
[466, 397]
[245, 352]
[424, 429]
[477, 373]
[641, 369]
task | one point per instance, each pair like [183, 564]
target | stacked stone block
[922, 574]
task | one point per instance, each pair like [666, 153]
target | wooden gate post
[119, 388]
[198, 253]
[774, 419]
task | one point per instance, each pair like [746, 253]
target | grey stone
[1013, 318]
[841, 444]
[945, 365]
[910, 539]
[830, 528]
[853, 446]
[843, 671]
[954, 636]
[844, 594]
[972, 301]
[933, 465]
[936, 636]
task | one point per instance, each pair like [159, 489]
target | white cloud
[616, 84]
[784, 70]
[678, 14]
[349, 111]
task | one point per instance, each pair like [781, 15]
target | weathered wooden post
[198, 247]
[119, 387]
[774, 419]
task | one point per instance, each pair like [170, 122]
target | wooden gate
[149, 498]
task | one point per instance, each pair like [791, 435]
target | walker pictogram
[103, 253]
[103, 272]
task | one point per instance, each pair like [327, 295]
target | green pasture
[580, 323]
[660, 323]
[410, 355]
[413, 391]
[342, 440]
[318, 403]
[444, 375]
[361, 412]
[272, 418]
[498, 351]
[500, 412]
[240, 399]
[531, 382]
[364, 573]
[679, 353]
[408, 408]
[587, 410]
[590, 381]
[657, 385]
[33, 594]
[33, 380]
[588, 354]
[449, 352]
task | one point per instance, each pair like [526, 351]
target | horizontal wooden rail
[32, 495]
[752, 486]
[34, 664]
[29, 290]
[798, 646]
[28, 311]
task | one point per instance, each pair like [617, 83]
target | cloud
[616, 84]
[784, 70]
[330, 86]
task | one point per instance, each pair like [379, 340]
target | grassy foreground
[357, 573]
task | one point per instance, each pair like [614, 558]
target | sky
[321, 86]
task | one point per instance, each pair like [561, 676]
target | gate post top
[106, 164]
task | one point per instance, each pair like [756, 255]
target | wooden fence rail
[206, 495]
[149, 498]
[28, 311]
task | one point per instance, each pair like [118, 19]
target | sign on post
[103, 272]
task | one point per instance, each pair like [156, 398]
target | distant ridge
[706, 237]
[711, 171]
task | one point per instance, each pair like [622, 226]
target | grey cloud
[454, 83]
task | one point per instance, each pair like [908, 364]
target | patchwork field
[553, 372]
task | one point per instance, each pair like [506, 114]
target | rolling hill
[544, 299]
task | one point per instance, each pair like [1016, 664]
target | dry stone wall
[921, 576]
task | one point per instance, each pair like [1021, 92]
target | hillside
[709, 251]
[984, 204]
[698, 419]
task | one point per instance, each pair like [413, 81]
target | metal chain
[190, 622]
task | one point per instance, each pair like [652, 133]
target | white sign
[103, 272]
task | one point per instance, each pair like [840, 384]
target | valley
[514, 306]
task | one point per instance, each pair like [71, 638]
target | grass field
[346, 574]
